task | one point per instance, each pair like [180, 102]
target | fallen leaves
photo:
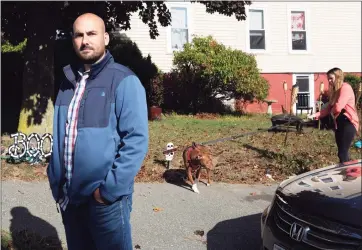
[16, 172]
[42, 170]
[199, 232]
[243, 160]
[207, 116]
[157, 209]
[137, 246]
[200, 236]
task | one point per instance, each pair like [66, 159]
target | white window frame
[307, 30]
[247, 30]
[187, 6]
[312, 102]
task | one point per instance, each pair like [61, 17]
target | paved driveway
[228, 214]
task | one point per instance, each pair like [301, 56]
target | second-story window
[179, 28]
[256, 30]
[298, 29]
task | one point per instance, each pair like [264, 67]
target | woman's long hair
[334, 91]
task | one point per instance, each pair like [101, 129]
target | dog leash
[244, 134]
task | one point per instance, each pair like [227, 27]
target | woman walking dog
[343, 109]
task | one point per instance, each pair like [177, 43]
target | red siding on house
[318, 79]
[276, 92]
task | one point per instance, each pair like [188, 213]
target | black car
[320, 209]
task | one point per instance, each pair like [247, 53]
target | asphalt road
[229, 215]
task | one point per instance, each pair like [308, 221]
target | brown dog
[195, 158]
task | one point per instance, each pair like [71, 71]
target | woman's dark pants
[344, 135]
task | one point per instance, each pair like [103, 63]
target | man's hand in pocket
[97, 196]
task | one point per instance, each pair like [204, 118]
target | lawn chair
[303, 103]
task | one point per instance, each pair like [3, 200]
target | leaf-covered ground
[243, 160]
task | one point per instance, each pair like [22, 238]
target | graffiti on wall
[32, 145]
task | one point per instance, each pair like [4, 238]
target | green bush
[354, 81]
[211, 68]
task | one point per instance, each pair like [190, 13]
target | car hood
[333, 193]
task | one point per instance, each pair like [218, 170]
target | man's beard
[89, 59]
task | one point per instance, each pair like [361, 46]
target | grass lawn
[244, 160]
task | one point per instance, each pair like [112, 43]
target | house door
[305, 98]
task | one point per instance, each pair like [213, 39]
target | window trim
[307, 30]
[187, 6]
[311, 89]
[247, 30]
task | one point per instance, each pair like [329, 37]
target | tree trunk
[36, 115]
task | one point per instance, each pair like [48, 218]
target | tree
[209, 69]
[38, 22]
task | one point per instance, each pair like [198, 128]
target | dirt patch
[251, 160]
[207, 116]
[23, 171]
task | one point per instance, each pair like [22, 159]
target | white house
[292, 41]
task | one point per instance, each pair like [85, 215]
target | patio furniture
[303, 103]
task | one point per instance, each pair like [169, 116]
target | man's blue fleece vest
[112, 138]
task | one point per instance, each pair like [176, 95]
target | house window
[298, 29]
[303, 83]
[256, 29]
[179, 28]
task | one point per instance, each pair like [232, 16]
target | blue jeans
[98, 226]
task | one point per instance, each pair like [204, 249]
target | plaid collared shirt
[71, 135]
